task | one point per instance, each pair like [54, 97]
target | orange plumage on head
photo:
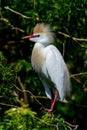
[39, 28]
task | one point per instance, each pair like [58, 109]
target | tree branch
[8, 105]
[7, 7]
[29, 93]
[6, 21]
[24, 92]
[75, 39]
[82, 73]
[74, 76]
[72, 126]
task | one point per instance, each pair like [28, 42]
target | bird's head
[42, 34]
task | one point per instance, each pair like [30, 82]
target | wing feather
[57, 71]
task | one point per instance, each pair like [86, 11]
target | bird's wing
[55, 67]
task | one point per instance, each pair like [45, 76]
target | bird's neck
[40, 45]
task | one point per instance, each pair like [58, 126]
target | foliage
[24, 119]
[18, 118]
[65, 16]
[51, 123]
[7, 78]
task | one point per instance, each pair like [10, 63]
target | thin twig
[6, 21]
[30, 94]
[70, 126]
[74, 76]
[83, 106]
[8, 105]
[76, 79]
[75, 39]
[48, 124]
[22, 15]
[73, 126]
[39, 97]
[78, 39]
[82, 73]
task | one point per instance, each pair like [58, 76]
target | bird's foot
[48, 110]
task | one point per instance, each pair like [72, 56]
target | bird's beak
[31, 36]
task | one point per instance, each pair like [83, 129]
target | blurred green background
[17, 19]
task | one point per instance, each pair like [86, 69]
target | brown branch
[25, 103]
[75, 39]
[6, 21]
[29, 93]
[78, 39]
[76, 79]
[39, 97]
[17, 99]
[73, 126]
[75, 76]
[82, 73]
[8, 105]
[22, 15]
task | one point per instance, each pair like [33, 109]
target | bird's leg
[53, 102]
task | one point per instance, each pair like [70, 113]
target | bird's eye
[37, 35]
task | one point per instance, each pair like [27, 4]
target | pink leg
[53, 102]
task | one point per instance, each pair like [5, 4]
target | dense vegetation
[20, 109]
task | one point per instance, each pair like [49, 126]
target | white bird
[48, 62]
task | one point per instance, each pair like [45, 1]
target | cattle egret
[48, 62]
